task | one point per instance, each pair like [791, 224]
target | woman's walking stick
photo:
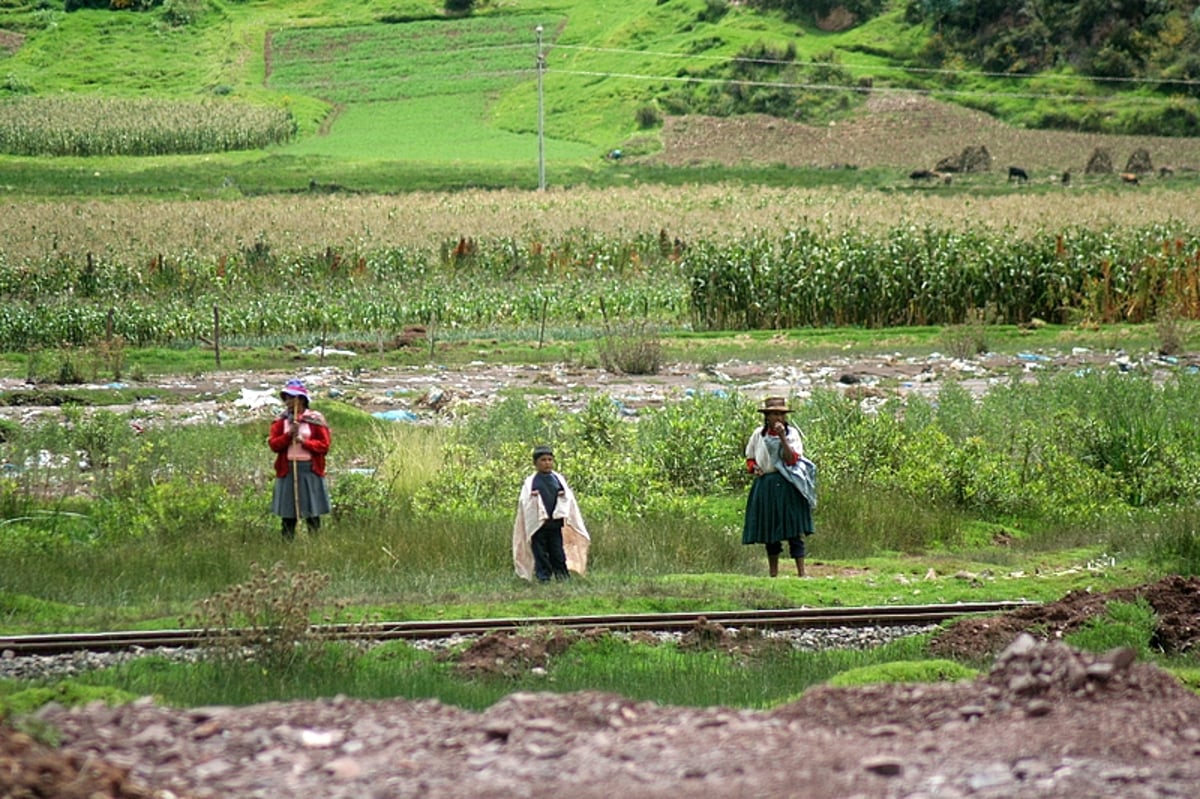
[296, 479]
[296, 488]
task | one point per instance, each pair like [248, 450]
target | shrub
[268, 617]
[180, 13]
[631, 350]
[648, 116]
[968, 339]
[713, 10]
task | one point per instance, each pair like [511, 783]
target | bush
[269, 617]
[713, 10]
[648, 116]
[180, 13]
[632, 350]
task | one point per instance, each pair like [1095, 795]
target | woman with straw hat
[783, 494]
[299, 438]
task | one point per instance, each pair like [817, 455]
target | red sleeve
[751, 465]
[318, 440]
[792, 460]
[278, 440]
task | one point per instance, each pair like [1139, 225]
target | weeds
[268, 618]
[969, 339]
[632, 350]
[1172, 333]
[1125, 624]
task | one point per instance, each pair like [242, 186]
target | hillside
[404, 84]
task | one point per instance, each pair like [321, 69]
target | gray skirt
[314, 496]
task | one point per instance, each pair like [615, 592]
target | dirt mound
[1175, 600]
[510, 654]
[1046, 722]
[29, 769]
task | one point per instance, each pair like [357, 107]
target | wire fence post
[541, 113]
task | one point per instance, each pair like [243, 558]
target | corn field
[92, 126]
[902, 276]
[937, 276]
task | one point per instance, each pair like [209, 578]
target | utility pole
[541, 125]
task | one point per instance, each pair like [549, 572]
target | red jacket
[317, 443]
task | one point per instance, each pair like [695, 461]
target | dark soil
[1175, 600]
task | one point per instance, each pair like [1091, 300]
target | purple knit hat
[294, 388]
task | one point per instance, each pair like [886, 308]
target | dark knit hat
[539, 451]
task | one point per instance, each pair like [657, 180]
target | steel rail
[790, 618]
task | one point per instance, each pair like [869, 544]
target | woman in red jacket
[300, 439]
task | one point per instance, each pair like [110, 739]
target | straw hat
[774, 405]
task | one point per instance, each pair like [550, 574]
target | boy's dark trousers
[549, 558]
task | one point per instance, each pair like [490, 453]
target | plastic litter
[396, 416]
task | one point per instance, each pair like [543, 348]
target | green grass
[181, 516]
[451, 129]
[664, 674]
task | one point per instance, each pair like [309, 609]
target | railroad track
[793, 618]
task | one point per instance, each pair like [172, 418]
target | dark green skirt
[775, 511]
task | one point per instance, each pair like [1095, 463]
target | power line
[522, 74]
[877, 69]
[887, 67]
[833, 87]
[547, 70]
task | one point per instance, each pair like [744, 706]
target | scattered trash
[321, 352]
[257, 399]
[396, 416]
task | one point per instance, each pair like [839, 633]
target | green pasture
[393, 97]
[451, 130]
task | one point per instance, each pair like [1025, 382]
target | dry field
[140, 230]
[906, 132]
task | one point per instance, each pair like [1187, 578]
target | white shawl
[531, 514]
[765, 451]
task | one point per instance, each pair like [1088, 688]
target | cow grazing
[1066, 178]
[1017, 174]
[1129, 177]
[923, 174]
